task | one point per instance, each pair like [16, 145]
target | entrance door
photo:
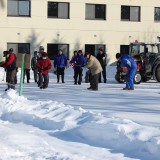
[93, 48]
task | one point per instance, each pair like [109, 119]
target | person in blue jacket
[79, 62]
[60, 63]
[127, 61]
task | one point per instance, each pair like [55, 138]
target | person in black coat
[79, 62]
[102, 58]
[34, 65]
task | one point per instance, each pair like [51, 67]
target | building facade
[77, 24]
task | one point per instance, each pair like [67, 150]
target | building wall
[76, 31]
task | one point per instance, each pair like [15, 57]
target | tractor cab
[145, 50]
[146, 55]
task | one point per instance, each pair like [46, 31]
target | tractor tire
[119, 78]
[137, 78]
[145, 79]
[157, 73]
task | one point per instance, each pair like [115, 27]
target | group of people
[41, 64]
[11, 69]
[95, 66]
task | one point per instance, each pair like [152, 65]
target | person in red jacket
[43, 66]
[10, 67]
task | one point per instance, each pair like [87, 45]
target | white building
[77, 24]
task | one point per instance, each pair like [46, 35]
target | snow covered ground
[68, 122]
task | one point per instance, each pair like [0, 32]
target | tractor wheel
[120, 78]
[137, 78]
[145, 79]
[157, 73]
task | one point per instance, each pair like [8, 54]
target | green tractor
[147, 56]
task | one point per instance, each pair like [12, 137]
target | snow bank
[68, 123]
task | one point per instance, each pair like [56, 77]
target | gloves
[44, 69]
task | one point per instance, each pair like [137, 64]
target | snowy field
[68, 122]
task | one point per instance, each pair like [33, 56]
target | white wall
[76, 31]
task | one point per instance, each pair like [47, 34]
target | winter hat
[75, 51]
[59, 50]
[100, 49]
[11, 50]
[118, 55]
[35, 53]
[41, 48]
[44, 54]
[80, 51]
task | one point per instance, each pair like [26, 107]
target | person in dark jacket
[27, 74]
[102, 58]
[72, 62]
[79, 61]
[43, 66]
[10, 67]
[34, 65]
[128, 61]
[60, 63]
[26, 68]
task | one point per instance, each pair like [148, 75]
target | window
[130, 13]
[58, 10]
[93, 48]
[19, 47]
[95, 11]
[157, 13]
[124, 49]
[18, 8]
[52, 50]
